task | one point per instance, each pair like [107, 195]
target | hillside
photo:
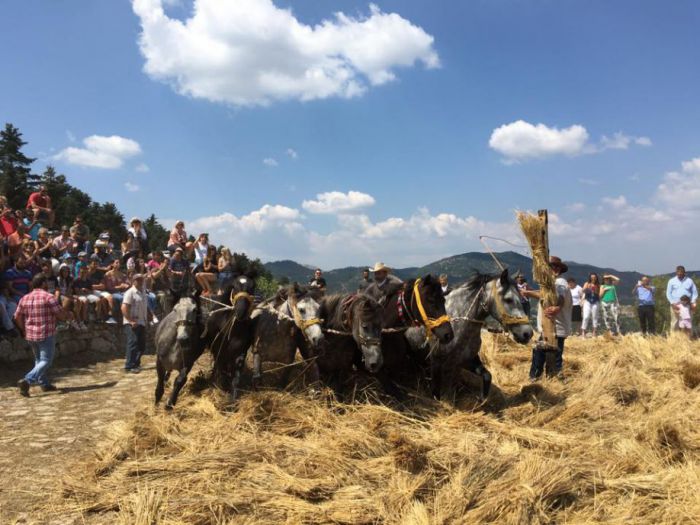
[457, 267]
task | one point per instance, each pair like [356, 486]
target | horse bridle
[347, 306]
[506, 319]
[243, 295]
[430, 323]
[300, 322]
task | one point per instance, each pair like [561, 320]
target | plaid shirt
[39, 310]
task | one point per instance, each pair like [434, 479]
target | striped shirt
[38, 309]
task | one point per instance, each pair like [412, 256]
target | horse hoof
[169, 407]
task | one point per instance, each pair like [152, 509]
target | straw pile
[617, 441]
[531, 227]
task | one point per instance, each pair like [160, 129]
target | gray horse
[288, 321]
[178, 346]
[469, 305]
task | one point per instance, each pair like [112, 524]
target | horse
[419, 302]
[178, 346]
[287, 321]
[229, 331]
[468, 306]
[350, 322]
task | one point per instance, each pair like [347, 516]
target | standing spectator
[18, 279]
[80, 232]
[178, 237]
[364, 281]
[576, 309]
[36, 317]
[201, 248]
[63, 243]
[318, 281]
[178, 270]
[39, 204]
[645, 305]
[135, 313]
[139, 232]
[610, 303]
[684, 312]
[560, 313]
[677, 287]
[444, 285]
[523, 288]
[591, 303]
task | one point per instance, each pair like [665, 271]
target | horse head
[240, 294]
[185, 320]
[427, 305]
[366, 315]
[502, 300]
[304, 306]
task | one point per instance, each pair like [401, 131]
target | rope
[429, 322]
[225, 306]
[506, 319]
[490, 251]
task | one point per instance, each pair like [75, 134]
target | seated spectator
[178, 238]
[51, 280]
[137, 230]
[80, 233]
[15, 241]
[64, 243]
[201, 248]
[158, 272]
[18, 279]
[32, 226]
[82, 261]
[116, 283]
[44, 244]
[39, 204]
[225, 267]
[8, 307]
[206, 276]
[178, 269]
[83, 291]
[130, 247]
[65, 296]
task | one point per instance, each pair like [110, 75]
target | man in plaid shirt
[36, 317]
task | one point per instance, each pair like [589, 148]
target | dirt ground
[40, 436]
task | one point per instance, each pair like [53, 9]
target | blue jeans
[151, 302]
[135, 345]
[539, 357]
[118, 298]
[44, 352]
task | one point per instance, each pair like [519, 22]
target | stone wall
[103, 339]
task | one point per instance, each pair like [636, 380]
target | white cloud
[251, 52]
[338, 202]
[101, 152]
[615, 202]
[520, 141]
[576, 207]
[142, 168]
[130, 186]
[70, 136]
[292, 154]
[681, 190]
[270, 162]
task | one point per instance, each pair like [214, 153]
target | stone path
[41, 436]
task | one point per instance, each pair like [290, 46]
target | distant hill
[457, 267]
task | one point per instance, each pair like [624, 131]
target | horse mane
[333, 313]
[478, 280]
[297, 291]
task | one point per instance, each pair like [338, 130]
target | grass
[617, 441]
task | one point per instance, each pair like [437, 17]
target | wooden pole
[549, 334]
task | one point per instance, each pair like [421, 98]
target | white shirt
[200, 252]
[576, 295]
[562, 321]
[684, 312]
[137, 302]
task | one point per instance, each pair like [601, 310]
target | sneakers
[74, 325]
[61, 327]
[135, 370]
[48, 388]
[82, 326]
[23, 386]
[111, 320]
[154, 319]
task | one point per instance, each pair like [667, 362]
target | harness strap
[505, 318]
[429, 322]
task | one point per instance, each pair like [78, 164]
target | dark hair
[685, 298]
[597, 279]
[680, 268]
[38, 281]
[317, 270]
[571, 280]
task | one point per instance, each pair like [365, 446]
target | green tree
[157, 235]
[15, 174]
[106, 217]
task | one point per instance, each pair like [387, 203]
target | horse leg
[179, 382]
[257, 370]
[240, 362]
[477, 367]
[162, 378]
[436, 366]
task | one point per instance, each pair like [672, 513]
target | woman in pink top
[178, 238]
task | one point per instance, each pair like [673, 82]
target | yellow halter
[505, 318]
[243, 295]
[301, 323]
[429, 323]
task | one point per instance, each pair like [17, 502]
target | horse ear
[505, 278]
[428, 279]
[252, 273]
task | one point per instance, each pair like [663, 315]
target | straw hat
[380, 267]
[556, 262]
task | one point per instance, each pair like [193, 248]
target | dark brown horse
[360, 316]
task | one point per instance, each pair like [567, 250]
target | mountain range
[458, 268]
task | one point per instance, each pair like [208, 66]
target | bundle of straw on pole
[534, 228]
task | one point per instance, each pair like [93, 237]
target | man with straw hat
[560, 313]
[384, 283]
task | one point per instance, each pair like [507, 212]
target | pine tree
[157, 235]
[15, 174]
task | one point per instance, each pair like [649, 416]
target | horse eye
[302, 310]
[364, 326]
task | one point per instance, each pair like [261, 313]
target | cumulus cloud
[101, 152]
[680, 190]
[130, 186]
[251, 52]
[270, 162]
[520, 141]
[292, 154]
[338, 202]
[142, 168]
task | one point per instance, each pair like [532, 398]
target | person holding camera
[644, 291]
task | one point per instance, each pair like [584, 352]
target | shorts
[91, 298]
[685, 324]
[222, 277]
[576, 316]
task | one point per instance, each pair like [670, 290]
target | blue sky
[442, 117]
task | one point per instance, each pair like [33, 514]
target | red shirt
[8, 224]
[39, 310]
[37, 199]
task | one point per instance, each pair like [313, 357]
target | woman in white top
[201, 247]
[577, 303]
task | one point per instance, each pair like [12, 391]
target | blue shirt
[34, 231]
[19, 279]
[645, 296]
[677, 289]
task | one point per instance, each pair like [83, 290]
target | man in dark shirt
[318, 281]
[364, 282]
[178, 270]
